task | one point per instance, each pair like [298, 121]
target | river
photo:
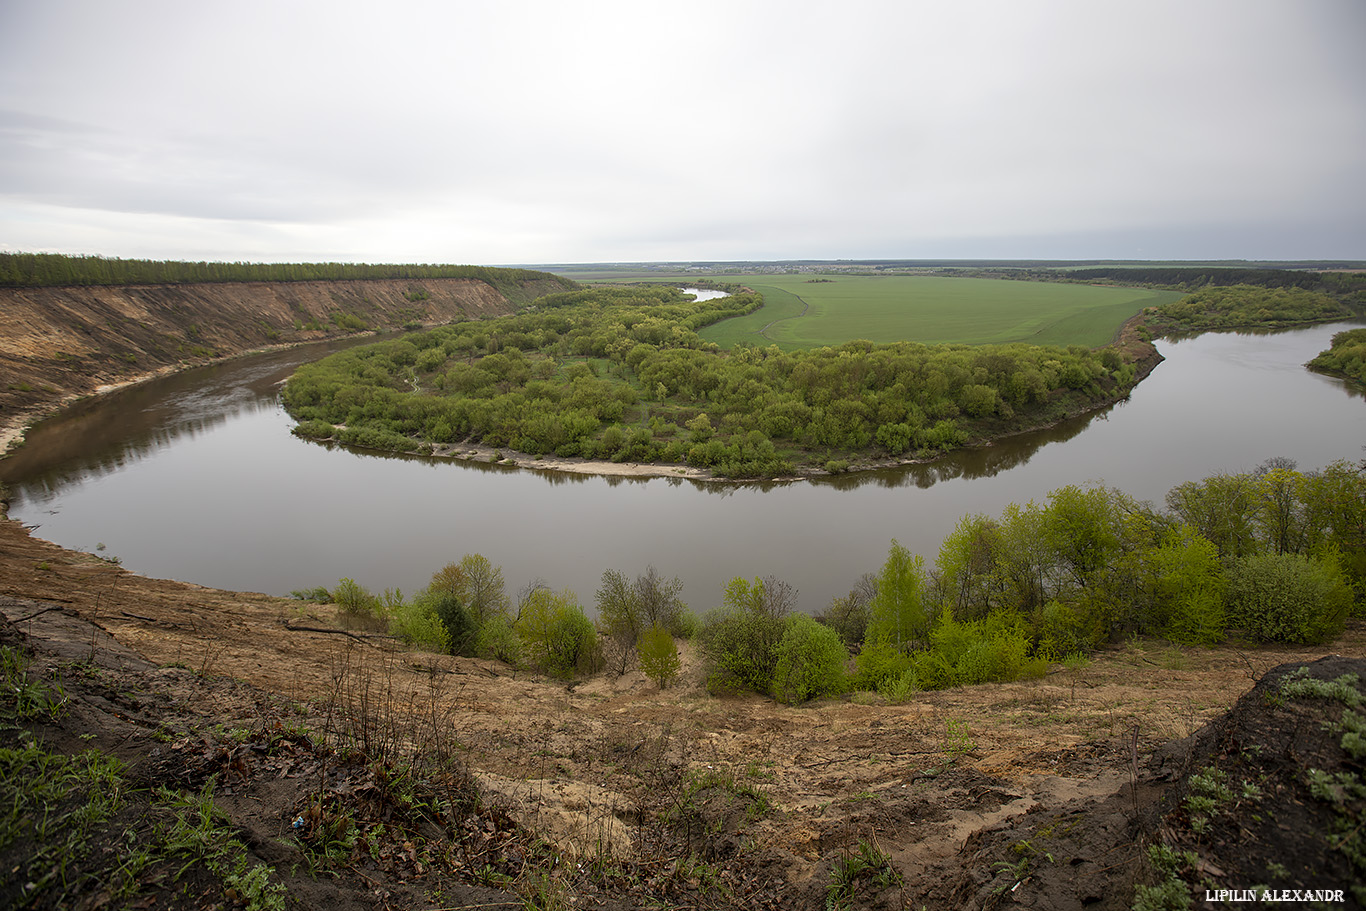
[197, 477]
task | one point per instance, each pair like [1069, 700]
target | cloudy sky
[548, 131]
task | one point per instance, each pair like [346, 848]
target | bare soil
[1041, 793]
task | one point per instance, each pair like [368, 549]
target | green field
[801, 313]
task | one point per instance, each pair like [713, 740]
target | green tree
[900, 613]
[658, 655]
[810, 661]
[557, 636]
[740, 638]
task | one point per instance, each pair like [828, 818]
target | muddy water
[197, 477]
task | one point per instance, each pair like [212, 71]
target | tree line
[1271, 555]
[621, 374]
[33, 270]
[1245, 307]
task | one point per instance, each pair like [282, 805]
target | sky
[545, 131]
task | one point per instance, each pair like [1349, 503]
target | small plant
[25, 698]
[957, 739]
[866, 866]
[658, 655]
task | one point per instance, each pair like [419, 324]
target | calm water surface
[197, 477]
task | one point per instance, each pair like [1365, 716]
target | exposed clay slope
[61, 342]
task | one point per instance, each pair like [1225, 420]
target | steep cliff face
[60, 342]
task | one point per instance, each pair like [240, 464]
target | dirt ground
[592, 768]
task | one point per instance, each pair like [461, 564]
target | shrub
[1287, 598]
[879, 665]
[498, 640]
[558, 637]
[811, 661]
[417, 624]
[658, 655]
[353, 598]
[461, 629]
[740, 638]
[979, 651]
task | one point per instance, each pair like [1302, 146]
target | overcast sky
[549, 131]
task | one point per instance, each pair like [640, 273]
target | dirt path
[805, 308]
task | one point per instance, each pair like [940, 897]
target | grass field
[802, 313]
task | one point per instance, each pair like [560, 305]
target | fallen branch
[359, 637]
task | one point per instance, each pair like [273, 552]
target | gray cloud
[539, 131]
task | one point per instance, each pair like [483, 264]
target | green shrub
[658, 655]
[740, 638]
[811, 661]
[498, 640]
[558, 637]
[461, 629]
[878, 666]
[417, 624]
[981, 651]
[354, 599]
[1287, 598]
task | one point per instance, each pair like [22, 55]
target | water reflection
[141, 469]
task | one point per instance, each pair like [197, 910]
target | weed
[25, 698]
[957, 739]
[852, 871]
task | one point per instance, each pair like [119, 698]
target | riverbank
[60, 344]
[710, 801]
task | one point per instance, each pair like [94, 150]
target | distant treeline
[36, 270]
[1347, 286]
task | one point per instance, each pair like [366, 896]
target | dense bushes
[1243, 306]
[1287, 598]
[621, 374]
[1271, 555]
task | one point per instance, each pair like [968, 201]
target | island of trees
[621, 374]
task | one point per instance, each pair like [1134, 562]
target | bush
[740, 638]
[879, 665]
[417, 624]
[658, 655]
[981, 651]
[353, 598]
[558, 637]
[811, 661]
[461, 629]
[1287, 598]
[498, 640]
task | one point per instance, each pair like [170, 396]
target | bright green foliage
[1346, 357]
[498, 640]
[900, 613]
[811, 661]
[1243, 306]
[658, 655]
[1287, 598]
[416, 623]
[1222, 508]
[977, 651]
[557, 636]
[353, 598]
[740, 639]
[880, 665]
[1190, 588]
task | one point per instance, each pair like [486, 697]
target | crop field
[804, 311]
